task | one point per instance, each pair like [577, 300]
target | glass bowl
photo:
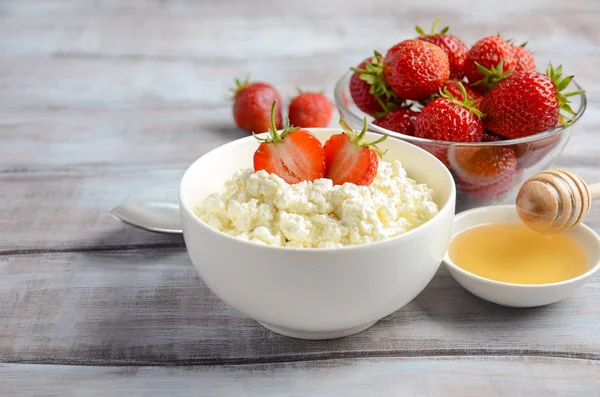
[474, 188]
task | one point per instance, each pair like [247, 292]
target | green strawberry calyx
[239, 86]
[434, 31]
[491, 76]
[465, 103]
[274, 135]
[560, 83]
[358, 138]
[372, 74]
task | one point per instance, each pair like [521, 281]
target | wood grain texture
[430, 377]
[107, 101]
[150, 307]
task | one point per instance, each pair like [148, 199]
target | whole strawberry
[455, 87]
[415, 69]
[482, 165]
[294, 154]
[489, 136]
[349, 159]
[454, 47]
[536, 153]
[525, 60]
[449, 119]
[310, 109]
[368, 88]
[251, 104]
[400, 120]
[489, 61]
[527, 103]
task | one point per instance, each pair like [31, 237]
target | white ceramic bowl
[315, 293]
[519, 295]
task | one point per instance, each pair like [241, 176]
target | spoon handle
[594, 190]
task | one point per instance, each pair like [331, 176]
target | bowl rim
[344, 81]
[483, 280]
[186, 210]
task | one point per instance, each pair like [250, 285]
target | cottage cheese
[263, 208]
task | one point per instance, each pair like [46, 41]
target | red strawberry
[448, 119]
[400, 120]
[525, 60]
[482, 165]
[294, 155]
[489, 61]
[454, 87]
[483, 173]
[536, 152]
[310, 109]
[368, 88]
[454, 47]
[349, 158]
[251, 102]
[489, 136]
[527, 103]
[359, 90]
[416, 69]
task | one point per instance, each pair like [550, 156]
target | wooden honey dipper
[555, 201]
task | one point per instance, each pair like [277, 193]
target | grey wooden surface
[107, 101]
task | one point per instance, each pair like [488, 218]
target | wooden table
[107, 101]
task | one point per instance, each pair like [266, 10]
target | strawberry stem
[274, 135]
[357, 139]
[465, 103]
[239, 86]
[372, 74]
[492, 75]
[421, 32]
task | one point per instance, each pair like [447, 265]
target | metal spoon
[160, 217]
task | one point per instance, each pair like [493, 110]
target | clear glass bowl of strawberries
[485, 111]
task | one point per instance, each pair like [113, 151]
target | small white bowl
[316, 293]
[519, 295]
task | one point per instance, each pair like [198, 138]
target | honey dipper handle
[594, 190]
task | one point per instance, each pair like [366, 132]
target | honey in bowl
[513, 253]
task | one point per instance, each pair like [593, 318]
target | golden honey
[513, 253]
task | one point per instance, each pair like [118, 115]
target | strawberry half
[349, 158]
[454, 47]
[295, 154]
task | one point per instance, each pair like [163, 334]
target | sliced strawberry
[349, 158]
[294, 155]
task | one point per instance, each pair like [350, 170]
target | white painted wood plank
[150, 307]
[430, 377]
